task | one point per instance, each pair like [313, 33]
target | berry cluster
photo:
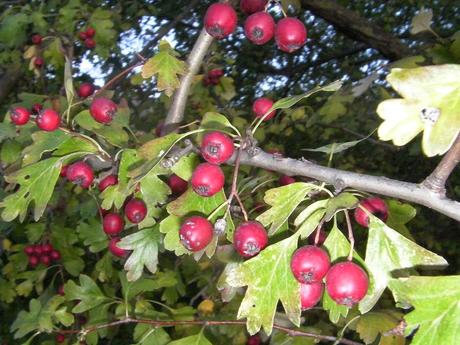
[41, 253]
[213, 77]
[46, 119]
[87, 37]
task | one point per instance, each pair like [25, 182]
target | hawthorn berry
[55, 255]
[113, 224]
[196, 233]
[103, 110]
[90, 43]
[347, 283]
[29, 250]
[178, 186]
[220, 20]
[252, 6]
[82, 35]
[33, 260]
[107, 181]
[250, 238]
[38, 250]
[284, 180]
[261, 106]
[85, 90]
[254, 340]
[39, 62]
[135, 210]
[114, 249]
[90, 32]
[61, 290]
[36, 108]
[63, 172]
[310, 294]
[159, 128]
[80, 173]
[216, 73]
[37, 39]
[47, 248]
[374, 205]
[309, 264]
[20, 115]
[45, 260]
[259, 28]
[48, 120]
[216, 147]
[290, 34]
[207, 179]
[60, 338]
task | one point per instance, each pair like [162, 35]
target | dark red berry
[115, 250]
[261, 106]
[33, 260]
[48, 120]
[19, 115]
[347, 283]
[216, 147]
[80, 173]
[55, 255]
[374, 205]
[36, 108]
[60, 338]
[29, 250]
[38, 250]
[250, 238]
[259, 28]
[82, 35]
[61, 290]
[178, 186]
[135, 210]
[47, 248]
[90, 43]
[252, 6]
[196, 233]
[85, 90]
[254, 340]
[113, 224]
[220, 20]
[216, 73]
[310, 294]
[321, 239]
[90, 32]
[45, 260]
[36, 39]
[207, 179]
[63, 172]
[310, 264]
[107, 181]
[103, 110]
[159, 128]
[39, 62]
[290, 34]
[284, 180]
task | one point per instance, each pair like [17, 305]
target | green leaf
[28, 321]
[88, 293]
[373, 324]
[13, 29]
[7, 130]
[198, 339]
[150, 335]
[35, 231]
[343, 201]
[7, 292]
[185, 166]
[10, 152]
[154, 192]
[226, 88]
[213, 120]
[170, 227]
[68, 84]
[64, 240]
[92, 235]
[268, 278]
[104, 267]
[337, 147]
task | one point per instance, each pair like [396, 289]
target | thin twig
[234, 190]
[117, 77]
[350, 235]
[318, 230]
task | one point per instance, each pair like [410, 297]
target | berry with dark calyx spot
[290, 34]
[254, 340]
[374, 205]
[60, 338]
[55, 255]
[220, 20]
[309, 264]
[115, 250]
[217, 147]
[207, 179]
[19, 115]
[310, 294]
[39, 62]
[48, 120]
[85, 90]
[47, 248]
[259, 28]
[178, 186]
[113, 224]
[347, 283]
[80, 173]
[284, 180]
[45, 260]
[90, 32]
[36, 108]
[107, 181]
[103, 110]
[29, 250]
[261, 106]
[63, 172]
[216, 73]
[135, 210]
[196, 233]
[82, 35]
[252, 6]
[36, 39]
[33, 260]
[250, 238]
[90, 43]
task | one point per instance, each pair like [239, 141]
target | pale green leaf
[88, 293]
[198, 339]
[369, 326]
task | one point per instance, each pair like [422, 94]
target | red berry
[60, 338]
[207, 81]
[80, 173]
[39, 62]
[261, 106]
[259, 28]
[290, 34]
[107, 181]
[310, 294]
[29, 250]
[196, 233]
[159, 128]
[254, 340]
[38, 250]
[252, 6]
[33, 260]
[103, 110]
[55, 255]
[63, 172]
[284, 180]
[90, 43]
[48, 120]
[36, 108]
[207, 179]
[347, 283]
[36, 39]
[113, 224]
[310, 264]
[19, 115]
[374, 205]
[216, 73]
[178, 186]
[220, 20]
[114, 249]
[135, 210]
[90, 32]
[45, 260]
[47, 248]
[217, 147]
[82, 35]
[250, 238]
[85, 90]
[61, 290]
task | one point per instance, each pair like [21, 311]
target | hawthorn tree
[176, 194]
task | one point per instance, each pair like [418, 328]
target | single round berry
[135, 210]
[45, 260]
[82, 35]
[113, 224]
[220, 20]
[47, 248]
[290, 34]
[196, 233]
[80, 173]
[90, 43]
[38, 250]
[250, 238]
[19, 115]
[33, 260]
[178, 186]
[60, 338]
[29, 250]
[207, 179]
[254, 340]
[55, 255]
[63, 172]
[107, 181]
[103, 110]
[261, 106]
[36, 108]
[115, 250]
[216, 147]
[48, 120]
[374, 205]
[259, 28]
[347, 283]
[85, 90]
[252, 6]
[284, 180]
[310, 264]
[37, 39]
[39, 62]
[310, 294]
[216, 73]
[90, 32]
